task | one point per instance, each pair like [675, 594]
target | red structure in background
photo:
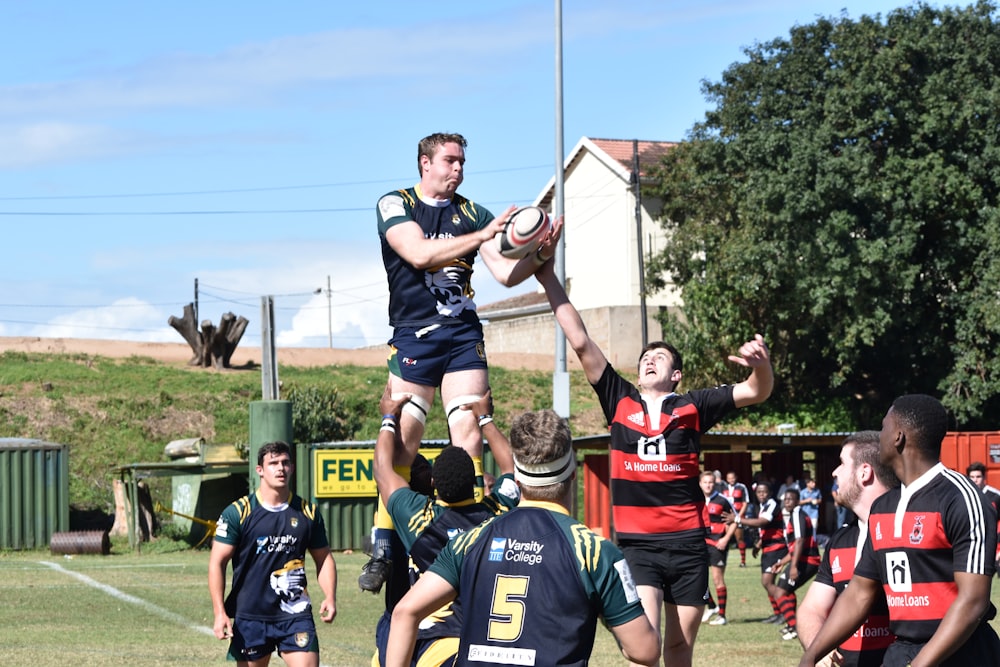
[781, 453]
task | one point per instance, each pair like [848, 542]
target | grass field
[153, 609]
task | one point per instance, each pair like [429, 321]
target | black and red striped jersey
[655, 448]
[799, 527]
[772, 535]
[737, 493]
[867, 645]
[918, 537]
[715, 527]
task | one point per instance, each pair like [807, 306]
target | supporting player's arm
[482, 409]
[429, 593]
[218, 561]
[848, 613]
[387, 480]
[326, 577]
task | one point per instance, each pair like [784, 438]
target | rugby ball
[523, 232]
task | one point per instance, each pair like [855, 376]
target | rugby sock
[774, 604]
[721, 594]
[787, 605]
[710, 604]
[743, 551]
[477, 464]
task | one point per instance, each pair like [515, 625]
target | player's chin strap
[416, 407]
[543, 474]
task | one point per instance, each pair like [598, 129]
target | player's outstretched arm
[755, 389]
[590, 355]
[387, 480]
[813, 610]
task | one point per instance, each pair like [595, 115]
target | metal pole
[560, 377]
[636, 185]
[196, 321]
[329, 311]
[268, 365]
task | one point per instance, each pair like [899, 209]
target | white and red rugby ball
[523, 232]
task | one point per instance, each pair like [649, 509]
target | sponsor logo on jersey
[652, 449]
[835, 565]
[637, 418]
[897, 572]
[496, 548]
[222, 528]
[917, 534]
[506, 549]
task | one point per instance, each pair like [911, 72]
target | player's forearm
[402, 638]
[326, 577]
[959, 622]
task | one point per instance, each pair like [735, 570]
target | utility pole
[329, 311]
[636, 185]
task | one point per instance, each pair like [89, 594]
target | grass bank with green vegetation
[114, 412]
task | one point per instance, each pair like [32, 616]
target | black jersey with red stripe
[772, 535]
[799, 527]
[715, 527]
[867, 645]
[918, 537]
[737, 493]
[654, 457]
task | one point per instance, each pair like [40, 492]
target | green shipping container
[34, 492]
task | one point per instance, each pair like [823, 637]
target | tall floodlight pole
[637, 185]
[560, 377]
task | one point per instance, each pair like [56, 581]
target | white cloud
[124, 319]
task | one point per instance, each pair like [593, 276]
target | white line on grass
[125, 597]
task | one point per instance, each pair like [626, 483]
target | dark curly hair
[454, 475]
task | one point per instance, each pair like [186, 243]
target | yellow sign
[343, 473]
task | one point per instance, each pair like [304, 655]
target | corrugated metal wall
[34, 492]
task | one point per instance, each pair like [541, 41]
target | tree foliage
[841, 198]
[320, 415]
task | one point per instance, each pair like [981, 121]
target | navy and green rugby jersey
[866, 647]
[441, 294]
[918, 537]
[532, 584]
[424, 526]
[269, 574]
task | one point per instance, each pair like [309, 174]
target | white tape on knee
[454, 411]
[416, 407]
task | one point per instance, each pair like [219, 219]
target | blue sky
[147, 145]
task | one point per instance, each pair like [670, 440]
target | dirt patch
[243, 357]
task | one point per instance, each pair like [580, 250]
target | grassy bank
[114, 412]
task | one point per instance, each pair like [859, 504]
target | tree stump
[147, 525]
[212, 346]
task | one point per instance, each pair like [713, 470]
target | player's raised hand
[752, 353]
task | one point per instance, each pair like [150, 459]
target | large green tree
[841, 198]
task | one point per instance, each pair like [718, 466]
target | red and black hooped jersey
[737, 493]
[654, 458]
[715, 527]
[867, 645]
[800, 527]
[918, 537]
[772, 535]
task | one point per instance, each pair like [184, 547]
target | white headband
[543, 474]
